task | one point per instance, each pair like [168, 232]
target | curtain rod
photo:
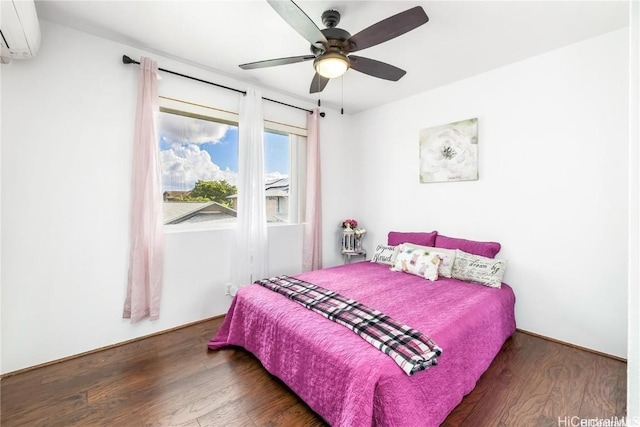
[128, 60]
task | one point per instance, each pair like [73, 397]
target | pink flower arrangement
[351, 223]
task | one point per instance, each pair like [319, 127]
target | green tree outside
[215, 191]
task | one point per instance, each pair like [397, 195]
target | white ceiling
[461, 39]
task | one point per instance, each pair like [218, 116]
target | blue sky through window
[276, 154]
[225, 151]
[194, 149]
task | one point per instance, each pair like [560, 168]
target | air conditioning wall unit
[19, 29]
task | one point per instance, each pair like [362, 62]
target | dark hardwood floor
[171, 379]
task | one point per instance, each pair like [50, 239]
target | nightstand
[348, 255]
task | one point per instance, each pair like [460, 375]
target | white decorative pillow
[419, 262]
[385, 254]
[479, 269]
[447, 256]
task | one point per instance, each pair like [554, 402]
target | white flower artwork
[449, 152]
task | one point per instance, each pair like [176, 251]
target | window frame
[297, 158]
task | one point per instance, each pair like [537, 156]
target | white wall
[633, 361]
[340, 186]
[67, 127]
[553, 183]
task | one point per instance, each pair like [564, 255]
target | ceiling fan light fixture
[331, 65]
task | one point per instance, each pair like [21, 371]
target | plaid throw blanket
[410, 349]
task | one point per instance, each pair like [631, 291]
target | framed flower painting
[449, 152]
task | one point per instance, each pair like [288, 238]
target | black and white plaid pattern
[410, 349]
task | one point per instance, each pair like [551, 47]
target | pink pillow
[418, 238]
[485, 249]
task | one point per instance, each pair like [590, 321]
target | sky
[193, 149]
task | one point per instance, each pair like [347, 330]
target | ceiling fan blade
[274, 62]
[318, 83]
[389, 28]
[375, 68]
[291, 12]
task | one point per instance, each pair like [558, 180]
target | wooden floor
[172, 379]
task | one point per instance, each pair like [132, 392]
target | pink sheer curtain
[312, 237]
[146, 229]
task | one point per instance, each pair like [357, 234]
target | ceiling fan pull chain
[342, 90]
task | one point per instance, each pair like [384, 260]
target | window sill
[196, 228]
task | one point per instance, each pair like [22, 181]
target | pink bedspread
[347, 381]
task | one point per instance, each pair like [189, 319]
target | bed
[347, 381]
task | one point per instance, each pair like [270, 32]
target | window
[199, 165]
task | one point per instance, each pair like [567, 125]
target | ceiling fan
[331, 47]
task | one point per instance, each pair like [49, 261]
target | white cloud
[183, 165]
[180, 129]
